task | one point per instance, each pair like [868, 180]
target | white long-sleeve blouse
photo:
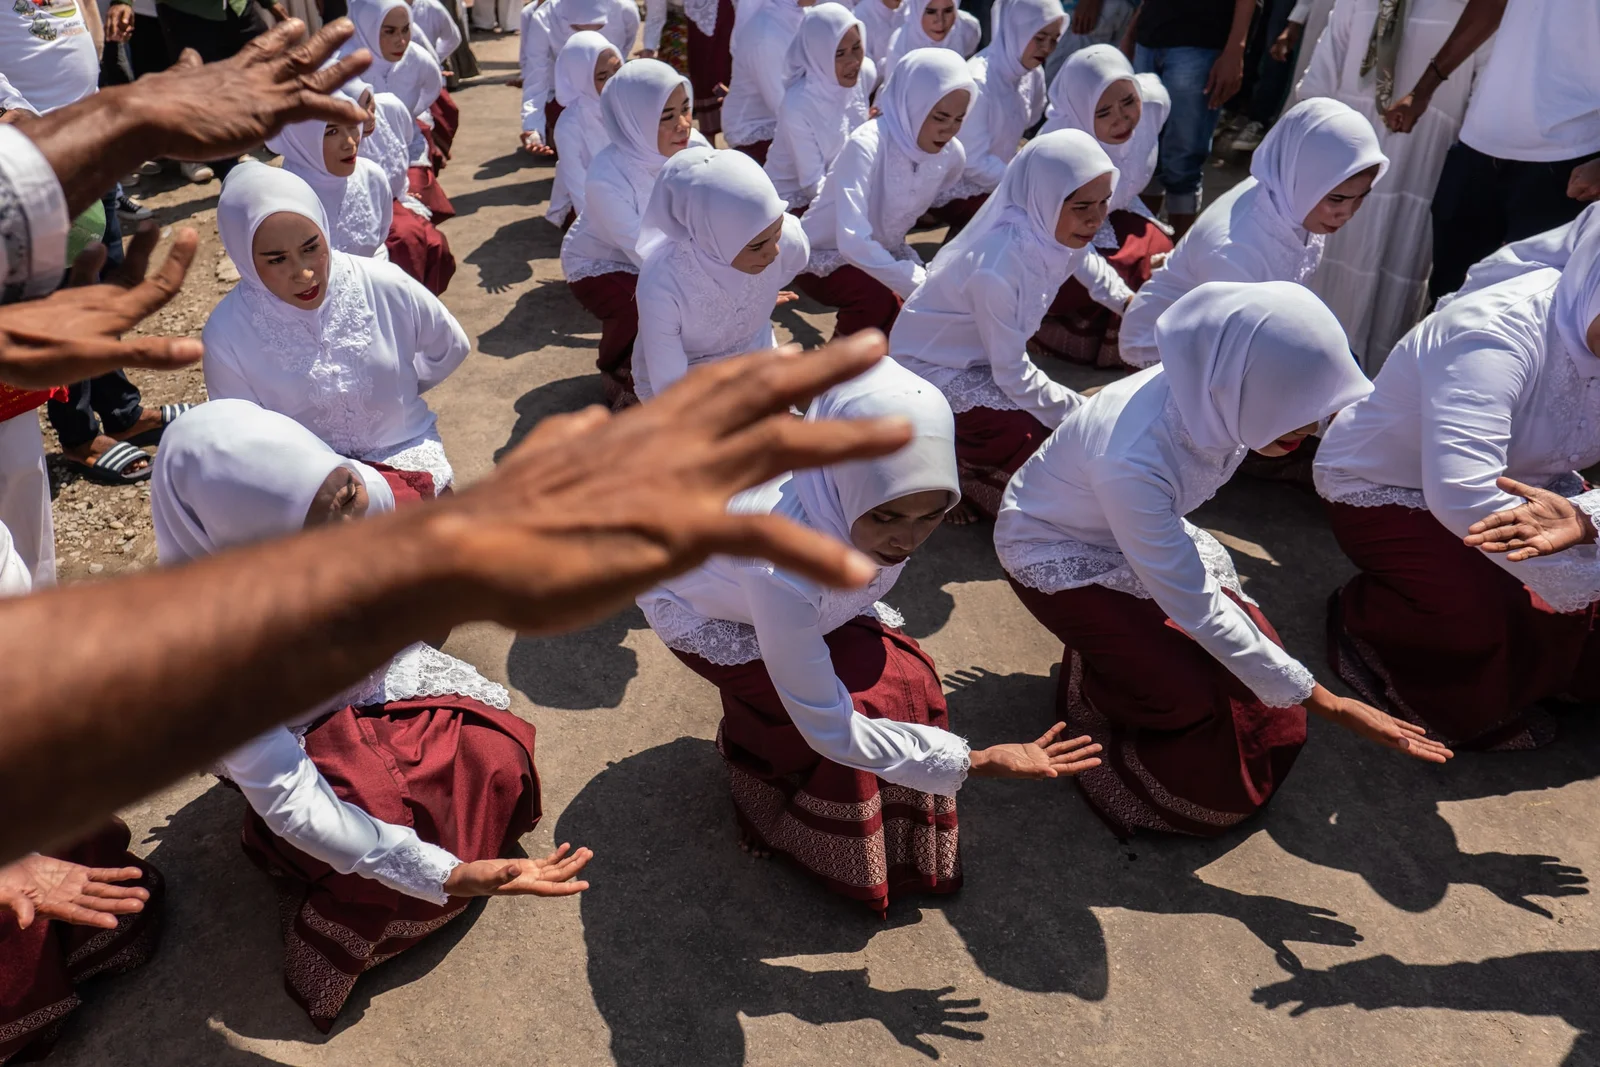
[542, 40]
[1484, 388]
[616, 191]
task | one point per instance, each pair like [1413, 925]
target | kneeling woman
[380, 812]
[1096, 91]
[889, 171]
[645, 107]
[966, 328]
[343, 345]
[718, 249]
[1503, 383]
[1307, 180]
[833, 721]
[354, 191]
[1168, 664]
[414, 242]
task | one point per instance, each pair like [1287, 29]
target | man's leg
[1536, 197]
[117, 401]
[1469, 216]
[1186, 138]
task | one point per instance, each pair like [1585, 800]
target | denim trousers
[1186, 138]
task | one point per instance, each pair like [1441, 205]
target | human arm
[589, 511]
[446, 35]
[571, 168]
[119, 20]
[224, 375]
[655, 20]
[809, 163]
[658, 351]
[1085, 17]
[196, 112]
[442, 344]
[538, 70]
[1476, 24]
[90, 12]
[769, 68]
[43, 886]
[851, 174]
[1227, 73]
[1544, 524]
[613, 213]
[983, 166]
[1104, 284]
[996, 314]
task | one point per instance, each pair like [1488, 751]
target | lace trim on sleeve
[961, 190]
[577, 268]
[425, 453]
[1056, 566]
[945, 769]
[964, 387]
[417, 870]
[1340, 488]
[423, 671]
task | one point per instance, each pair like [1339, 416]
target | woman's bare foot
[963, 514]
[90, 453]
[753, 848]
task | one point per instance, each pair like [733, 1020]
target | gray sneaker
[1249, 138]
[130, 212]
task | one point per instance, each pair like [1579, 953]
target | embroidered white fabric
[417, 870]
[576, 268]
[703, 13]
[424, 453]
[422, 671]
[962, 189]
[750, 133]
[964, 387]
[735, 311]
[824, 261]
[944, 770]
[338, 381]
[909, 183]
[1062, 565]
[357, 224]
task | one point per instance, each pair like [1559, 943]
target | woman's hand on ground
[785, 296]
[70, 892]
[1377, 726]
[548, 877]
[1045, 758]
[1544, 524]
[534, 144]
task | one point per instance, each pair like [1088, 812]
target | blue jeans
[1186, 138]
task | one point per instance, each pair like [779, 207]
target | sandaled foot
[753, 848]
[109, 462]
[151, 424]
[963, 514]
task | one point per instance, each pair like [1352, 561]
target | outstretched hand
[549, 877]
[60, 889]
[1045, 758]
[592, 509]
[76, 333]
[1544, 524]
[1376, 726]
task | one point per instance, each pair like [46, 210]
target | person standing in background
[1529, 153]
[1197, 48]
[1270, 68]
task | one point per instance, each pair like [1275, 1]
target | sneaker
[130, 212]
[1249, 138]
[150, 168]
[198, 173]
[128, 180]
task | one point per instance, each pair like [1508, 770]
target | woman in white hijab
[1168, 663]
[718, 248]
[1307, 180]
[1502, 384]
[1096, 91]
[1374, 272]
[389, 854]
[354, 192]
[879, 21]
[828, 88]
[545, 30]
[345, 346]
[646, 111]
[932, 24]
[761, 40]
[1009, 75]
[586, 62]
[1553, 248]
[400, 66]
[967, 326]
[890, 171]
[829, 713]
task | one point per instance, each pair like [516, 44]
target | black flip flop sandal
[169, 412]
[112, 466]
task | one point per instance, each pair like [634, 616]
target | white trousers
[25, 496]
[486, 13]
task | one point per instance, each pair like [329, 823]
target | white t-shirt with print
[46, 52]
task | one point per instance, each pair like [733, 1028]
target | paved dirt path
[1372, 882]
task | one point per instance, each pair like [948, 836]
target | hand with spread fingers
[1544, 524]
[1377, 726]
[43, 886]
[76, 333]
[1044, 758]
[549, 877]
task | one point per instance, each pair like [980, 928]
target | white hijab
[1316, 145]
[229, 473]
[834, 497]
[1012, 26]
[630, 108]
[1577, 301]
[1028, 200]
[813, 94]
[712, 202]
[920, 81]
[911, 36]
[1075, 97]
[415, 77]
[565, 14]
[1250, 362]
[349, 203]
[880, 21]
[574, 78]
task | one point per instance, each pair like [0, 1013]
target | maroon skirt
[417, 247]
[446, 121]
[863, 837]
[1077, 329]
[990, 446]
[610, 298]
[41, 967]
[863, 302]
[1437, 633]
[426, 188]
[957, 213]
[757, 150]
[711, 69]
[459, 773]
[1188, 748]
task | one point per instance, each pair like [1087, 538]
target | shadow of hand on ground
[552, 398]
[680, 924]
[1557, 984]
[528, 195]
[532, 325]
[577, 671]
[506, 259]
[510, 163]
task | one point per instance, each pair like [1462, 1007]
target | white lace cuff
[416, 869]
[1589, 504]
[1281, 685]
[944, 770]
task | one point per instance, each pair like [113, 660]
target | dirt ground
[1380, 911]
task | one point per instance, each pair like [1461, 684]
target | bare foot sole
[963, 514]
[753, 848]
